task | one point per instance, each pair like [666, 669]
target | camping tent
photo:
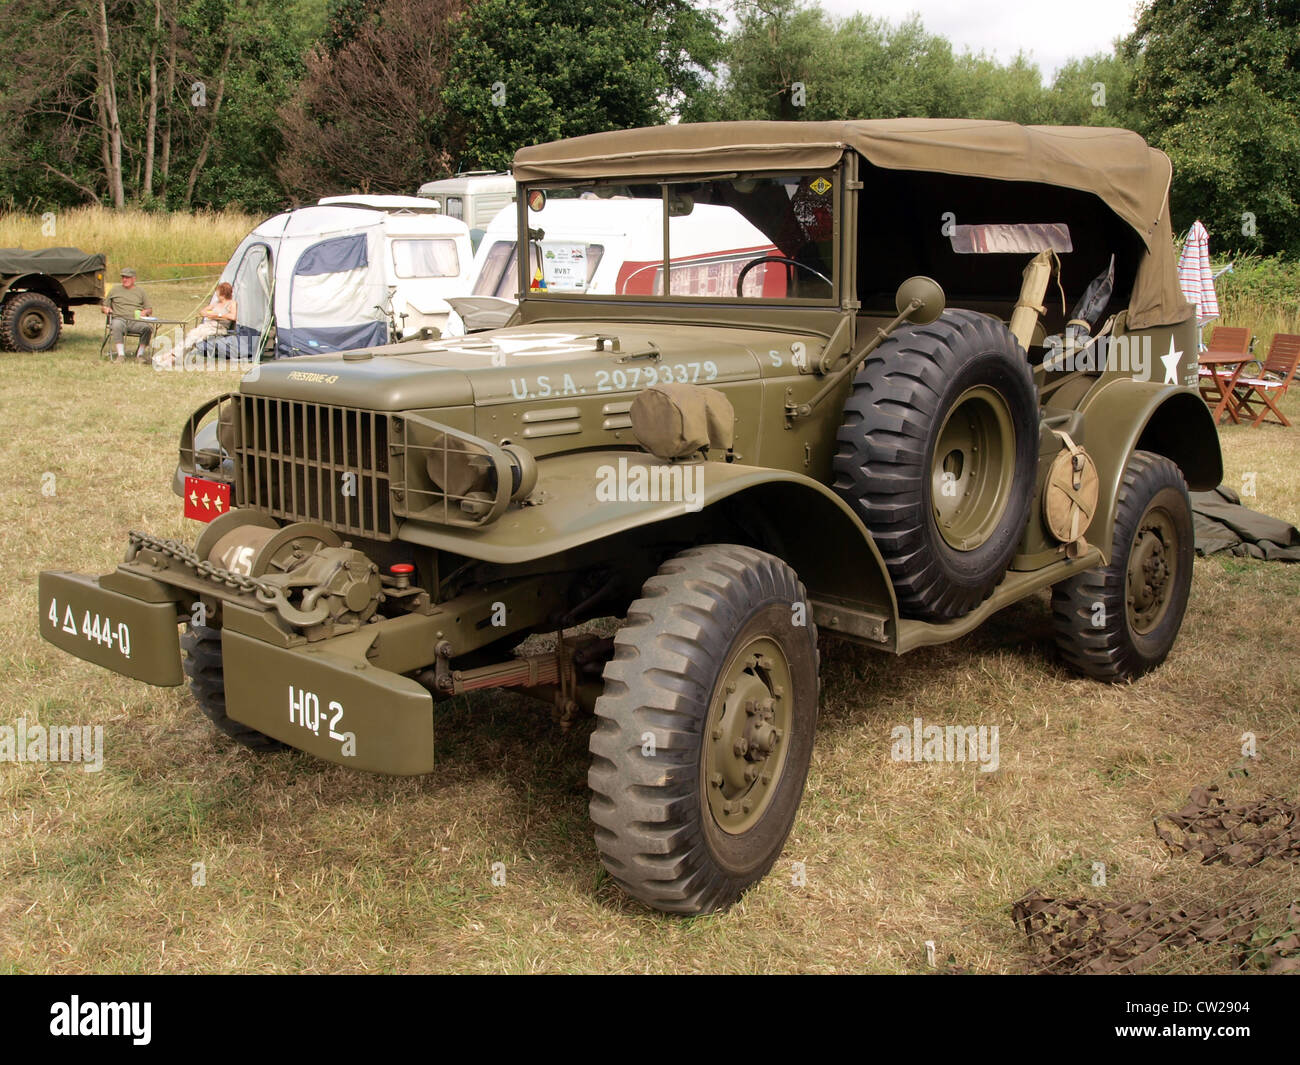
[317, 273]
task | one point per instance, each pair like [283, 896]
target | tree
[1217, 86]
[527, 71]
[787, 60]
[134, 102]
[369, 114]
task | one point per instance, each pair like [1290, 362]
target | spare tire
[937, 455]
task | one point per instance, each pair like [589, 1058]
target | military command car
[954, 369]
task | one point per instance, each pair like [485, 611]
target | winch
[315, 581]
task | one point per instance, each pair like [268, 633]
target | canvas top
[1116, 165]
[48, 261]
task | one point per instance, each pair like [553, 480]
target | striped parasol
[1194, 275]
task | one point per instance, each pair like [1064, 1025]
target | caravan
[475, 197]
[351, 273]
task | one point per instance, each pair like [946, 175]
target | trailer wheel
[30, 322]
[202, 664]
[705, 729]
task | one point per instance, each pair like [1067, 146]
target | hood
[522, 363]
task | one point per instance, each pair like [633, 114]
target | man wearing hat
[127, 304]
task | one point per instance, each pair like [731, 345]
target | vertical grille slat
[293, 457]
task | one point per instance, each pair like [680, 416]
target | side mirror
[928, 296]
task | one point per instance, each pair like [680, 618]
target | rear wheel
[705, 729]
[30, 322]
[1120, 621]
[202, 664]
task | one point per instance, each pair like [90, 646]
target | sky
[1053, 31]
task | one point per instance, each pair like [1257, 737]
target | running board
[1014, 587]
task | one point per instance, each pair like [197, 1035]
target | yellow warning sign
[820, 186]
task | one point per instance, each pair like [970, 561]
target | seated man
[126, 303]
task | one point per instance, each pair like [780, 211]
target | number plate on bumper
[119, 632]
[334, 707]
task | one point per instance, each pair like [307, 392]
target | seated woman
[216, 319]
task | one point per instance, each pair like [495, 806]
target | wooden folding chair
[1224, 340]
[1258, 395]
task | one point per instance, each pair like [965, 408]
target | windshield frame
[837, 174]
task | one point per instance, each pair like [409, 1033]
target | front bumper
[326, 698]
[330, 702]
[129, 635]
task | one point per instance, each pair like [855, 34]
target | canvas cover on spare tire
[49, 261]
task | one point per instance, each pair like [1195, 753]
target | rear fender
[1126, 416]
[41, 283]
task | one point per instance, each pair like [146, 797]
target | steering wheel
[740, 278]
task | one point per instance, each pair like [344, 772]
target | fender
[796, 518]
[42, 283]
[1127, 415]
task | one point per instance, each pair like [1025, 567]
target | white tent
[347, 274]
[317, 272]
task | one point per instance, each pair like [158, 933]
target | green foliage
[525, 71]
[51, 148]
[788, 60]
[1217, 86]
[1260, 284]
[331, 95]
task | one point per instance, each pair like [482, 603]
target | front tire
[1120, 621]
[202, 665]
[705, 729]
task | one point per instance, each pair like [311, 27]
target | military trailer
[956, 371]
[38, 290]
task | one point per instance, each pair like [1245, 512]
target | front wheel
[705, 729]
[1120, 621]
[207, 679]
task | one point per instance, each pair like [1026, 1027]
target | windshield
[760, 237]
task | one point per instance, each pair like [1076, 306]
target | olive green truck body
[399, 518]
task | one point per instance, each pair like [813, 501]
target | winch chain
[265, 591]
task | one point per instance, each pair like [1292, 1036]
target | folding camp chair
[1251, 395]
[1218, 372]
[108, 332]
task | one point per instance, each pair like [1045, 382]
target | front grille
[312, 462]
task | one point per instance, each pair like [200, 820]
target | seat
[1230, 340]
[1258, 396]
[1224, 340]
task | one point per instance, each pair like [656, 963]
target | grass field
[311, 867]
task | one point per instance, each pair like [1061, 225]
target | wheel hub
[33, 326]
[970, 476]
[1150, 573]
[747, 724]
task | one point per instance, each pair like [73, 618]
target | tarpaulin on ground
[1223, 524]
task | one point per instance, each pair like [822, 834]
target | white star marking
[1171, 363]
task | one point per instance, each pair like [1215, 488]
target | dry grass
[311, 867]
[156, 245]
